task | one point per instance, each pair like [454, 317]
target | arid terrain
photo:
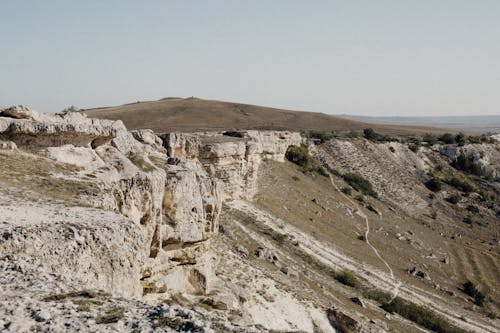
[198, 115]
[204, 216]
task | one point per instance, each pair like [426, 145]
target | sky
[377, 58]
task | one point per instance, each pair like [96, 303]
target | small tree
[72, 108]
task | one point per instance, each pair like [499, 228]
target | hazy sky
[373, 57]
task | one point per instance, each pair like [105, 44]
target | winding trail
[360, 213]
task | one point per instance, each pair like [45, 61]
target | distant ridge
[484, 123]
[192, 114]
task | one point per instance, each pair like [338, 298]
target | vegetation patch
[467, 164]
[420, 315]
[111, 316]
[359, 183]
[434, 184]
[470, 289]
[74, 294]
[348, 278]
[453, 199]
[370, 134]
[461, 185]
[322, 137]
[300, 156]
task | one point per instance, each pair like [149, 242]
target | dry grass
[193, 114]
[35, 175]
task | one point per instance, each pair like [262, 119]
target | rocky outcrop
[233, 157]
[174, 208]
[43, 130]
[19, 112]
[482, 157]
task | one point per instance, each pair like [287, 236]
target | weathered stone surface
[47, 130]
[7, 145]
[484, 156]
[19, 112]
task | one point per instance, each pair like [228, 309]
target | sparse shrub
[360, 198]
[453, 199]
[473, 209]
[434, 214]
[468, 220]
[370, 134]
[420, 315]
[321, 136]
[295, 178]
[72, 108]
[447, 138]
[278, 237]
[470, 289]
[348, 278]
[460, 184]
[372, 209]
[112, 315]
[346, 190]
[433, 184]
[353, 134]
[359, 183]
[466, 164]
[460, 139]
[430, 139]
[362, 238]
[378, 295]
[391, 149]
[414, 147]
[300, 156]
[321, 170]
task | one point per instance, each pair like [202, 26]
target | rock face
[483, 156]
[19, 112]
[25, 127]
[233, 157]
[172, 209]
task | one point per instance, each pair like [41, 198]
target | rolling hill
[195, 115]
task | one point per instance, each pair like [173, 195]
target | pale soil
[330, 219]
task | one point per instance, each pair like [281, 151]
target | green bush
[359, 183]
[391, 149]
[470, 289]
[461, 185]
[460, 139]
[421, 316]
[348, 278]
[414, 147]
[430, 139]
[453, 199]
[473, 209]
[466, 164]
[321, 136]
[346, 190]
[321, 170]
[370, 134]
[433, 184]
[112, 315]
[447, 138]
[468, 220]
[300, 156]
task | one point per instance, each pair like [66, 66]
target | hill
[194, 115]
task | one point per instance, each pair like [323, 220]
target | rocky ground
[108, 230]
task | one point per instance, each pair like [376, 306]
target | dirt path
[357, 210]
[334, 258]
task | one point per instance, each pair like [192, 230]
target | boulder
[19, 112]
